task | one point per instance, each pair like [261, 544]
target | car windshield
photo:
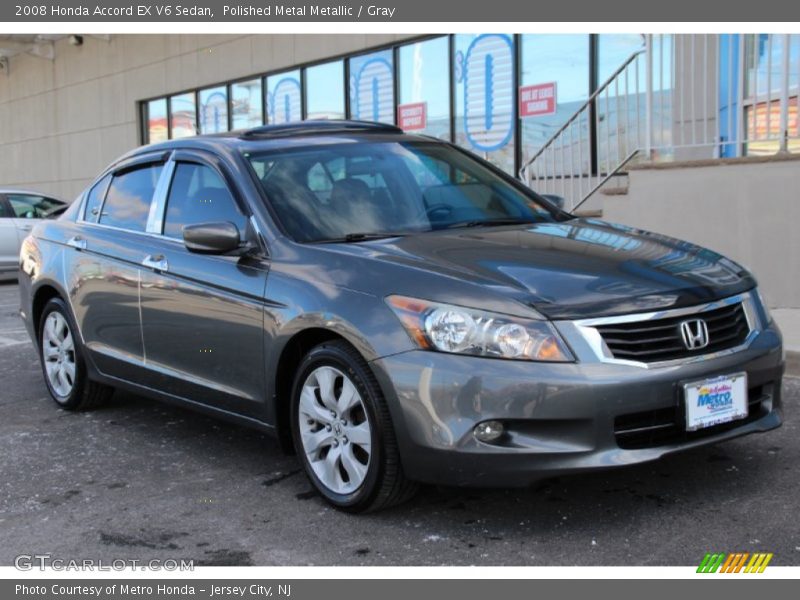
[358, 191]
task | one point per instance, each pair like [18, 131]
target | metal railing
[681, 97]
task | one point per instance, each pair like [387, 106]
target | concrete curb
[792, 363]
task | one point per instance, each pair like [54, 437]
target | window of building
[157, 130]
[183, 115]
[214, 110]
[199, 195]
[763, 81]
[424, 78]
[557, 63]
[284, 97]
[325, 91]
[94, 200]
[128, 199]
[246, 102]
[485, 96]
[372, 87]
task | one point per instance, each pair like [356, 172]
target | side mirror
[557, 200]
[213, 238]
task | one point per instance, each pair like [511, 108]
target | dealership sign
[537, 100]
[412, 117]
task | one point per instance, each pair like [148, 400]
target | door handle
[26, 227]
[77, 242]
[158, 262]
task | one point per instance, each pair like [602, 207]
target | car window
[27, 206]
[198, 194]
[94, 200]
[128, 199]
[333, 191]
[5, 213]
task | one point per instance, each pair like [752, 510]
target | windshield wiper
[490, 222]
[352, 238]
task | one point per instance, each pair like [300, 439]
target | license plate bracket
[715, 401]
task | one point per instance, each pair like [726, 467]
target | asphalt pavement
[139, 480]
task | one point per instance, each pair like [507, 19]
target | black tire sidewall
[332, 355]
[73, 400]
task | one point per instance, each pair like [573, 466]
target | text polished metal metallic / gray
[395, 309]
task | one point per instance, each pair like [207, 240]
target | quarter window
[128, 199]
[199, 195]
[94, 201]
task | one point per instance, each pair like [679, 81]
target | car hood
[573, 269]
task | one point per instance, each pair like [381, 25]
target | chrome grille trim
[587, 328]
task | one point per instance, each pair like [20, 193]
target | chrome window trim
[158, 204]
[587, 328]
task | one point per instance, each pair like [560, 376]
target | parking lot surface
[140, 480]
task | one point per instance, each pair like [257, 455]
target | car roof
[288, 135]
[29, 193]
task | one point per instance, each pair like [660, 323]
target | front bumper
[561, 418]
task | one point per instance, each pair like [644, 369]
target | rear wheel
[343, 433]
[63, 363]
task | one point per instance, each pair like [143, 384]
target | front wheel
[343, 433]
[62, 361]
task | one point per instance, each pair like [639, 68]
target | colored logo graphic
[284, 105]
[737, 562]
[489, 101]
[373, 84]
[715, 398]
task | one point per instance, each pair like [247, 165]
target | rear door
[203, 316]
[104, 261]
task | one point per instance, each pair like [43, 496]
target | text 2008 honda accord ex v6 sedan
[396, 310]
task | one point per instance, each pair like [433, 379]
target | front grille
[660, 339]
[665, 426]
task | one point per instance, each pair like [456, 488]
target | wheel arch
[44, 292]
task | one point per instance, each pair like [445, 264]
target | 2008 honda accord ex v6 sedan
[396, 310]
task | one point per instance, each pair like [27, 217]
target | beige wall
[748, 210]
[62, 121]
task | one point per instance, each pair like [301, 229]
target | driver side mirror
[221, 237]
[555, 199]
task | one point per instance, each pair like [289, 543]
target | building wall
[747, 209]
[62, 121]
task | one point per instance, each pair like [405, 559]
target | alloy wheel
[58, 350]
[334, 430]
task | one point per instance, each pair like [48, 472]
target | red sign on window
[412, 117]
[537, 100]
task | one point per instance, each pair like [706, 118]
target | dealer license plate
[715, 401]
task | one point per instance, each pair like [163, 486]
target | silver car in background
[20, 210]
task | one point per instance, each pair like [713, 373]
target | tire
[60, 350]
[355, 475]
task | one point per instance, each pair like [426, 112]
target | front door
[202, 316]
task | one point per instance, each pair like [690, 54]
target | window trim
[158, 209]
[126, 167]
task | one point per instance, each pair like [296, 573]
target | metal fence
[681, 97]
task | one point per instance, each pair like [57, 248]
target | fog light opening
[489, 431]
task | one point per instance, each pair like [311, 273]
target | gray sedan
[396, 310]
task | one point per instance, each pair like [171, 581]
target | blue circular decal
[489, 102]
[374, 98]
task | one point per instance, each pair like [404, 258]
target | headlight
[460, 330]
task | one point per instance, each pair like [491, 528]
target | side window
[5, 213]
[26, 206]
[128, 199]
[199, 195]
[94, 200]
